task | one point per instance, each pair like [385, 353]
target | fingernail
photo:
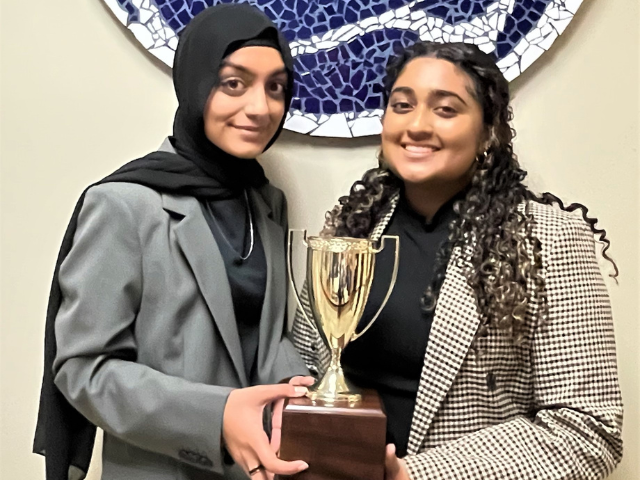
[300, 390]
[304, 466]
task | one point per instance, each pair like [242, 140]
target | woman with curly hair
[495, 355]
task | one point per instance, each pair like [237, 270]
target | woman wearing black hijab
[166, 320]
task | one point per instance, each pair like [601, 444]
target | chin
[246, 153]
[413, 177]
[412, 180]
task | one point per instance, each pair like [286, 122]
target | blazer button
[196, 458]
[491, 381]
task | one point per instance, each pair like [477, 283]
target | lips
[419, 150]
[247, 128]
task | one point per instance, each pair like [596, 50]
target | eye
[446, 111]
[277, 88]
[232, 84]
[400, 106]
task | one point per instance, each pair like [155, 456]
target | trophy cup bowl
[338, 430]
[339, 277]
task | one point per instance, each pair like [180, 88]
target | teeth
[418, 149]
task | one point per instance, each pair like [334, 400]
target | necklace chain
[246, 198]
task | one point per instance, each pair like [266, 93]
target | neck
[426, 200]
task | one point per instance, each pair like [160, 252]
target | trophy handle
[394, 276]
[292, 280]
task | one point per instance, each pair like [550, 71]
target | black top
[390, 356]
[229, 223]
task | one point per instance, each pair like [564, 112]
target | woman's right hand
[243, 431]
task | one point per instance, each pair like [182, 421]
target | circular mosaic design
[340, 47]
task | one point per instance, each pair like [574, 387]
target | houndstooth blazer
[546, 409]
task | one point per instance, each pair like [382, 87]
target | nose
[420, 122]
[257, 106]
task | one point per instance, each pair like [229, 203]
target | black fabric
[198, 169]
[390, 356]
[231, 228]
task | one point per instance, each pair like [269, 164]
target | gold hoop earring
[481, 159]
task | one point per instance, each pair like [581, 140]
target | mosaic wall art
[341, 47]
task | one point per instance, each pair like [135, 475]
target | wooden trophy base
[338, 442]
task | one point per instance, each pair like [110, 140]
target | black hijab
[198, 168]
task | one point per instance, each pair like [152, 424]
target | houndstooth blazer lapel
[455, 323]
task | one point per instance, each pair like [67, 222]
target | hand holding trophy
[338, 430]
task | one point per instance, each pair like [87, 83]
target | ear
[487, 140]
[381, 163]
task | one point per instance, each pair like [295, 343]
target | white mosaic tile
[512, 72]
[300, 124]
[572, 5]
[335, 126]
[529, 56]
[363, 127]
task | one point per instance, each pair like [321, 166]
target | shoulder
[560, 232]
[123, 192]
[120, 197]
[551, 219]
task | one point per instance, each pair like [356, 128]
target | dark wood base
[338, 442]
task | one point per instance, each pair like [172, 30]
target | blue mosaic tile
[454, 11]
[321, 16]
[349, 68]
[131, 9]
[518, 24]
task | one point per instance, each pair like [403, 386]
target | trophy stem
[334, 388]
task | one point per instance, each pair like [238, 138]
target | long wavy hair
[493, 226]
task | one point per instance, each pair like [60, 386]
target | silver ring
[256, 470]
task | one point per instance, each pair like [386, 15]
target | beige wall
[79, 98]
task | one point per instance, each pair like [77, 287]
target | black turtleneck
[390, 356]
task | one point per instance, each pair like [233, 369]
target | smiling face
[433, 128]
[244, 111]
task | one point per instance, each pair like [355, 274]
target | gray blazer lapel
[455, 323]
[273, 309]
[202, 253]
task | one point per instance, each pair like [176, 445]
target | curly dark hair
[493, 222]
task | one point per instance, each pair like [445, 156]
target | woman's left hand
[394, 467]
[276, 417]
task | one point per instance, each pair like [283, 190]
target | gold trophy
[339, 277]
[338, 430]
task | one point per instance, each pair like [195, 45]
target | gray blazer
[148, 347]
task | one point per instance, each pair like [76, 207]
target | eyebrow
[406, 90]
[447, 93]
[227, 63]
[434, 93]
